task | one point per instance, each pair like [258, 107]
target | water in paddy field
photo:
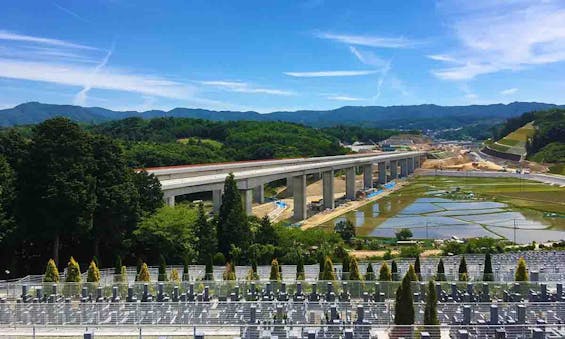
[430, 217]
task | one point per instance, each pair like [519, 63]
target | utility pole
[514, 231]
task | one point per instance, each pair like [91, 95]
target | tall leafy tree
[58, 194]
[149, 191]
[117, 197]
[487, 272]
[404, 303]
[266, 232]
[233, 226]
[206, 233]
[7, 195]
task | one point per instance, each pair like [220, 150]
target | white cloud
[330, 73]
[368, 58]
[344, 98]
[502, 36]
[110, 79]
[509, 91]
[367, 40]
[10, 36]
[243, 87]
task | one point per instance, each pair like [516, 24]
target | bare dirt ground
[364, 254]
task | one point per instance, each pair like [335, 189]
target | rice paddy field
[443, 207]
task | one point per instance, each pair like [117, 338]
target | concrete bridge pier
[259, 194]
[393, 170]
[217, 200]
[299, 197]
[410, 165]
[247, 200]
[416, 162]
[368, 176]
[350, 183]
[328, 189]
[382, 172]
[289, 186]
[170, 201]
[403, 168]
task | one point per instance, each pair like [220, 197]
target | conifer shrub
[51, 272]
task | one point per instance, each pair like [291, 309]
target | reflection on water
[440, 218]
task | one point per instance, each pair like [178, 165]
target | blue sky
[280, 55]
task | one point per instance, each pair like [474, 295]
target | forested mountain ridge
[392, 117]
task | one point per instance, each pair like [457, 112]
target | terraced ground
[515, 142]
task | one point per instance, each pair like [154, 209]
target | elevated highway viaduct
[251, 176]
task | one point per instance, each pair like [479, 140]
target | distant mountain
[432, 117]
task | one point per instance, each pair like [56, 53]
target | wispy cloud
[11, 36]
[80, 98]
[243, 87]
[368, 58]
[509, 91]
[71, 13]
[344, 98]
[381, 80]
[330, 73]
[368, 40]
[502, 36]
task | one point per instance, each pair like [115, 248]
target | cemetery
[308, 308]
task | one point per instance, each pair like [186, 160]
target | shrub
[403, 234]
[487, 273]
[411, 274]
[417, 268]
[209, 271]
[463, 274]
[162, 269]
[93, 275]
[394, 270]
[354, 273]
[144, 273]
[174, 275]
[219, 259]
[384, 273]
[185, 275]
[370, 274]
[51, 272]
[275, 274]
[229, 273]
[300, 275]
[521, 271]
[73, 271]
[117, 265]
[440, 276]
[328, 273]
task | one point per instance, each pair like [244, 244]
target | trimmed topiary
[162, 269]
[93, 275]
[369, 274]
[521, 271]
[174, 275]
[73, 271]
[328, 273]
[144, 274]
[229, 273]
[51, 272]
[385, 273]
[275, 274]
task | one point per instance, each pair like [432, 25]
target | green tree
[404, 303]
[346, 230]
[209, 271]
[417, 268]
[233, 226]
[51, 272]
[149, 192]
[404, 234]
[440, 275]
[394, 270]
[58, 194]
[487, 273]
[170, 232]
[266, 233]
[235, 254]
[411, 274]
[93, 274]
[463, 274]
[275, 274]
[521, 271]
[384, 272]
[369, 274]
[118, 265]
[73, 271]
[206, 233]
[7, 200]
[144, 275]
[328, 273]
[185, 274]
[430, 311]
[162, 269]
[117, 198]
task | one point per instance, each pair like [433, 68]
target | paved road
[552, 179]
